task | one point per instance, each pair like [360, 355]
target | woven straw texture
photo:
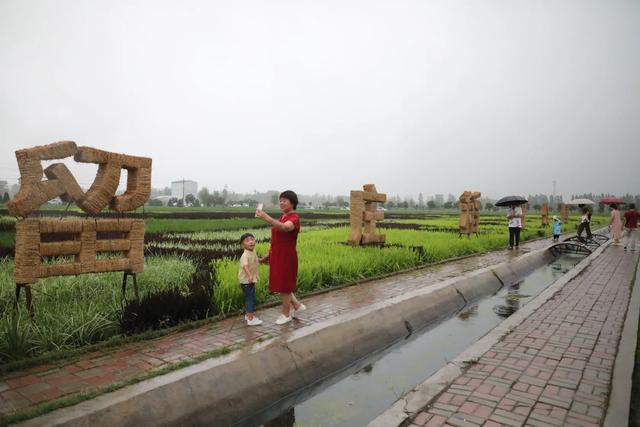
[128, 251]
[364, 210]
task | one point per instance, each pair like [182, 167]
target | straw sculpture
[103, 189]
[83, 245]
[544, 213]
[564, 212]
[469, 203]
[61, 183]
[364, 210]
[33, 190]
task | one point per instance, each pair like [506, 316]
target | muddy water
[356, 395]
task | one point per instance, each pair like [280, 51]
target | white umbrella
[581, 202]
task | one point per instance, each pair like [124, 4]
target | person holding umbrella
[585, 224]
[514, 216]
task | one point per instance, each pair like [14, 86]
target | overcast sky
[324, 96]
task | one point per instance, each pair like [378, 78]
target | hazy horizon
[321, 97]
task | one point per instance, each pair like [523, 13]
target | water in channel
[362, 391]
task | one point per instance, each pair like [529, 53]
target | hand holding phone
[259, 208]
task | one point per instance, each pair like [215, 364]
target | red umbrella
[610, 200]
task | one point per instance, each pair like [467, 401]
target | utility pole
[183, 191]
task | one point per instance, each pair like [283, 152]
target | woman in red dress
[282, 256]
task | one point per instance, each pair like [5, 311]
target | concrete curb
[220, 391]
[409, 405]
[620, 398]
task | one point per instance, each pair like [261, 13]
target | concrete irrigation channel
[248, 386]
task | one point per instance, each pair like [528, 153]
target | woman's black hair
[632, 205]
[614, 206]
[290, 196]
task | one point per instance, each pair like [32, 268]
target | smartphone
[259, 208]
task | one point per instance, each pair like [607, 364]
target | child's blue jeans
[249, 290]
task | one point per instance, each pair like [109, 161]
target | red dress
[283, 258]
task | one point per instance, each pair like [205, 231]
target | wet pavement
[556, 367]
[22, 390]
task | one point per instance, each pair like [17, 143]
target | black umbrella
[511, 200]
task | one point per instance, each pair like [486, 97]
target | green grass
[75, 312]
[72, 312]
[154, 225]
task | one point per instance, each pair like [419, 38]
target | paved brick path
[21, 390]
[556, 367]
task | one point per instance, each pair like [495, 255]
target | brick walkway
[555, 368]
[25, 389]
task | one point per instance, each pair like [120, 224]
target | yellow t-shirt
[250, 259]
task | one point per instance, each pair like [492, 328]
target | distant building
[4, 188]
[439, 199]
[182, 188]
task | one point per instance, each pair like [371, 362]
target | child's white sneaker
[282, 319]
[294, 311]
[254, 322]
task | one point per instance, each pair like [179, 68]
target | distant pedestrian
[248, 276]
[557, 228]
[585, 224]
[631, 217]
[615, 223]
[283, 257]
[514, 215]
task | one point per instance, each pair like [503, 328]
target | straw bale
[374, 197]
[33, 195]
[60, 226]
[137, 230]
[87, 255]
[102, 190]
[137, 193]
[60, 248]
[112, 264]
[113, 245]
[55, 150]
[544, 209]
[564, 212]
[29, 159]
[465, 197]
[27, 252]
[124, 224]
[373, 238]
[369, 227]
[69, 269]
[464, 222]
[93, 155]
[375, 216]
[355, 237]
[30, 168]
[61, 173]
[89, 225]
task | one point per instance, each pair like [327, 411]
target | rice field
[187, 257]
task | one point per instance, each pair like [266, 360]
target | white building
[182, 188]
